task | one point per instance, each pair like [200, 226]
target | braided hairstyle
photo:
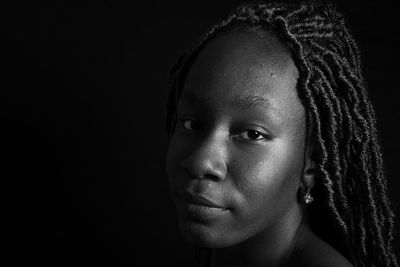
[351, 188]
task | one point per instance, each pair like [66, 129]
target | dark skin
[240, 143]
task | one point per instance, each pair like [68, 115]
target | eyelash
[258, 133]
[264, 136]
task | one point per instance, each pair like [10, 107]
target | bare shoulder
[314, 252]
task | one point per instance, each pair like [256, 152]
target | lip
[198, 200]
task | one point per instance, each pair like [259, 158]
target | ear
[308, 175]
[309, 166]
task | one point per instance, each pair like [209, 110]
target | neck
[271, 247]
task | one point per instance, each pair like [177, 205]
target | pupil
[188, 125]
[253, 134]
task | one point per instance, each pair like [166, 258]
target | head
[239, 140]
[269, 103]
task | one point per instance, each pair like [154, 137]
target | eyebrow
[250, 101]
[242, 102]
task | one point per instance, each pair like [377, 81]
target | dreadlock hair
[350, 192]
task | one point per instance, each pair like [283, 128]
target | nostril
[207, 160]
[212, 177]
[206, 169]
[189, 168]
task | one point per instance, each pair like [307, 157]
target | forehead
[242, 64]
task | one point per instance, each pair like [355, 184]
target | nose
[207, 160]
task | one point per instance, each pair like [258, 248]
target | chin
[205, 236]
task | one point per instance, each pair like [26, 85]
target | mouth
[198, 200]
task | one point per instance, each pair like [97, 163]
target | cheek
[269, 180]
[172, 160]
[179, 148]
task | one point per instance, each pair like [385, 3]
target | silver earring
[307, 197]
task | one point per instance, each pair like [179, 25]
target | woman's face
[236, 155]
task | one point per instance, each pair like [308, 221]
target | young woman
[273, 155]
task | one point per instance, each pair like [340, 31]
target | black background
[83, 91]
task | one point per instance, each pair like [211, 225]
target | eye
[189, 124]
[252, 135]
